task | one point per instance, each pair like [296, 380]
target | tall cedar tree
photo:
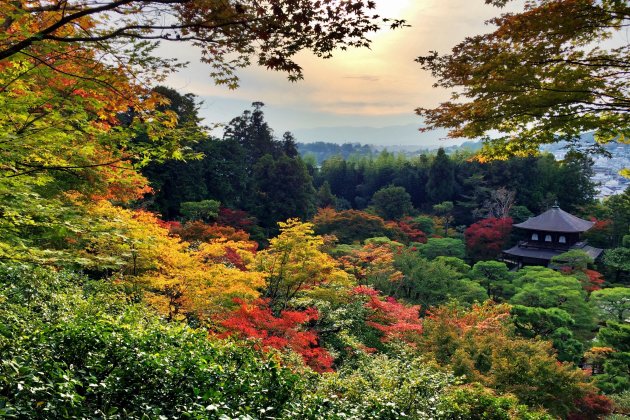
[441, 182]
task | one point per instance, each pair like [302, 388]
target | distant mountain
[394, 135]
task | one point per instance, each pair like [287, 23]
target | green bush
[73, 350]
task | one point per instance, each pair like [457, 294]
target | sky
[360, 88]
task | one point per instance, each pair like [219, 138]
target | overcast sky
[365, 88]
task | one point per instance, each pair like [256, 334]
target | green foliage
[448, 247]
[616, 376]
[613, 303]
[399, 386]
[283, 189]
[392, 202]
[618, 260]
[495, 277]
[325, 197]
[432, 282]
[544, 74]
[575, 259]
[441, 180]
[477, 402]
[425, 224]
[545, 288]
[551, 324]
[71, 348]
[205, 210]
[520, 213]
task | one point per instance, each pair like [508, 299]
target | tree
[284, 189]
[615, 337]
[445, 211]
[448, 247]
[431, 283]
[500, 203]
[495, 277]
[614, 302]
[349, 225]
[280, 332]
[541, 76]
[486, 239]
[618, 259]
[479, 344]
[205, 210]
[294, 263]
[441, 181]
[550, 324]
[392, 202]
[545, 288]
[575, 185]
[230, 35]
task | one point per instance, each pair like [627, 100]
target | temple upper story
[549, 234]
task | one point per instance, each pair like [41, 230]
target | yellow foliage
[178, 282]
[294, 262]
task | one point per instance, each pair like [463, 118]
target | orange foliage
[287, 330]
[198, 231]
[372, 261]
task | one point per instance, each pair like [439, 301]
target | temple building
[549, 234]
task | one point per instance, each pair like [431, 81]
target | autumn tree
[294, 262]
[488, 237]
[542, 75]
[229, 35]
[479, 343]
[349, 225]
[286, 330]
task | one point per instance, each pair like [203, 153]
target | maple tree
[294, 263]
[349, 225]
[372, 264]
[230, 35]
[394, 320]
[542, 75]
[198, 231]
[479, 343]
[178, 281]
[257, 321]
[486, 238]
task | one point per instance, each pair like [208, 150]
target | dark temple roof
[548, 254]
[556, 220]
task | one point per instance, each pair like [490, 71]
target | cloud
[364, 77]
[377, 86]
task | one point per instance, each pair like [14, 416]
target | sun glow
[392, 8]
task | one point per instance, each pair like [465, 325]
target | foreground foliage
[71, 348]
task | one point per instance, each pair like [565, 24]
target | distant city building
[552, 233]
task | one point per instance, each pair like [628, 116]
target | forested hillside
[149, 270]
